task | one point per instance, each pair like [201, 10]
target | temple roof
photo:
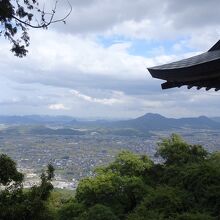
[201, 71]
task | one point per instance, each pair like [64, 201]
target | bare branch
[51, 21]
[63, 19]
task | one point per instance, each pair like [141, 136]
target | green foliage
[184, 186]
[194, 216]
[127, 163]
[119, 185]
[8, 171]
[177, 152]
[15, 203]
[134, 188]
[120, 193]
[98, 212]
[163, 202]
[71, 210]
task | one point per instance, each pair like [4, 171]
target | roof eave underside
[199, 84]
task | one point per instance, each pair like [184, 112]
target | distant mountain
[35, 119]
[147, 122]
[217, 119]
[157, 122]
[200, 122]
[39, 130]
[138, 126]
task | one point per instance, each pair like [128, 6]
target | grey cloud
[172, 103]
[80, 81]
[104, 14]
[193, 13]
[174, 16]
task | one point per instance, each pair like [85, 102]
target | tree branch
[51, 21]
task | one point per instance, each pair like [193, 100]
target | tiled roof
[192, 61]
[201, 71]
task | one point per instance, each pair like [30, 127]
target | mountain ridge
[146, 122]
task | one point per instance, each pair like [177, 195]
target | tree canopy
[15, 202]
[16, 16]
[184, 186]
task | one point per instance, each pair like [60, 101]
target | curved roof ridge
[215, 47]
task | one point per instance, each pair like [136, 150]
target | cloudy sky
[95, 65]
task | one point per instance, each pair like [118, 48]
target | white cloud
[58, 106]
[73, 55]
[116, 99]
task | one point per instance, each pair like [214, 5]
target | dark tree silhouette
[16, 16]
[19, 203]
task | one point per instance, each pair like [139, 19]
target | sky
[95, 65]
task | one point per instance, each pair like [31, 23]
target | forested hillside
[184, 186]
